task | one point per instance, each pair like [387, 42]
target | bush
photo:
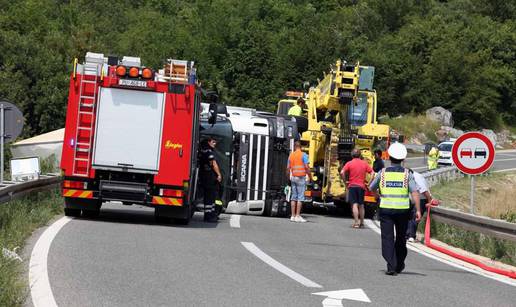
[411, 124]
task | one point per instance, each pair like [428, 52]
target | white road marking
[500, 160]
[234, 221]
[278, 266]
[418, 168]
[331, 302]
[455, 263]
[334, 298]
[40, 289]
[414, 158]
[505, 170]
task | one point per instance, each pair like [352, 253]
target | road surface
[124, 258]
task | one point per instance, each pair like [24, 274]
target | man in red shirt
[354, 173]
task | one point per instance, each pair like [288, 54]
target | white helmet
[398, 151]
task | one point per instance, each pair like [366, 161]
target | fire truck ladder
[85, 119]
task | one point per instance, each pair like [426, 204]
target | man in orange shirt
[297, 170]
[354, 173]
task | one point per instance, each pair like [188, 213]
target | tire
[267, 210]
[72, 212]
[90, 213]
[162, 219]
[182, 221]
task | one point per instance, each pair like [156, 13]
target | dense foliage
[459, 54]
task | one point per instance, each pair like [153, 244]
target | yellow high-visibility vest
[295, 111]
[394, 191]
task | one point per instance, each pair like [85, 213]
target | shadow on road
[146, 217]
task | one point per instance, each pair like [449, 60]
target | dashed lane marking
[234, 221]
[40, 289]
[279, 267]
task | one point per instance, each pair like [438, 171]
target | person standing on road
[354, 175]
[210, 178]
[395, 183]
[297, 170]
[424, 198]
[297, 110]
[378, 162]
[433, 156]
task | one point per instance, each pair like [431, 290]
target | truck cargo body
[129, 140]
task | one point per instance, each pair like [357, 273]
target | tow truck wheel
[72, 212]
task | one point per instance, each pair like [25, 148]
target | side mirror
[212, 111]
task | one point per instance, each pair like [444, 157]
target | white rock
[441, 115]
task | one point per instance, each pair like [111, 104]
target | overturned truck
[253, 149]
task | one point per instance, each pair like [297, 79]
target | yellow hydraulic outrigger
[341, 113]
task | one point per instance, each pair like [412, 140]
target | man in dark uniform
[395, 183]
[378, 162]
[209, 178]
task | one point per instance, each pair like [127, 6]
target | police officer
[209, 177]
[394, 184]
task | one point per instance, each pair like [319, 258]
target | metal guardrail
[442, 174]
[476, 223]
[485, 225]
[12, 190]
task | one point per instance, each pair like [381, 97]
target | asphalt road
[124, 258]
[504, 159]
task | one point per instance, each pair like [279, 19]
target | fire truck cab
[131, 136]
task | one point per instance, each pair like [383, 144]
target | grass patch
[18, 219]
[494, 195]
[477, 243]
[411, 124]
[493, 198]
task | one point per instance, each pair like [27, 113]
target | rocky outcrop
[441, 115]
[490, 134]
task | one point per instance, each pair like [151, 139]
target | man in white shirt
[425, 197]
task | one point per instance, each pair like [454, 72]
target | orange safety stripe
[370, 199]
[77, 193]
[167, 201]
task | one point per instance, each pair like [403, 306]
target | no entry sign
[473, 153]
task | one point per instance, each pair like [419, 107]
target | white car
[445, 155]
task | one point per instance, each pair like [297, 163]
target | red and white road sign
[473, 153]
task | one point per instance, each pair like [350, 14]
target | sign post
[473, 153]
[11, 125]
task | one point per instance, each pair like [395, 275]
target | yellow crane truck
[340, 115]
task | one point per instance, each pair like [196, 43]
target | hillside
[459, 54]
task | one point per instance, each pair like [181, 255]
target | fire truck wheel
[72, 212]
[90, 213]
[182, 221]
[160, 218]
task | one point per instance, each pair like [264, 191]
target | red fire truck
[131, 136]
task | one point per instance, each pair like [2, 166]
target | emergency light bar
[134, 72]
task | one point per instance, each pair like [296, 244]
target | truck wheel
[184, 221]
[160, 218]
[90, 213]
[72, 212]
[267, 210]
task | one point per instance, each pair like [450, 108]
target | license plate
[135, 83]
